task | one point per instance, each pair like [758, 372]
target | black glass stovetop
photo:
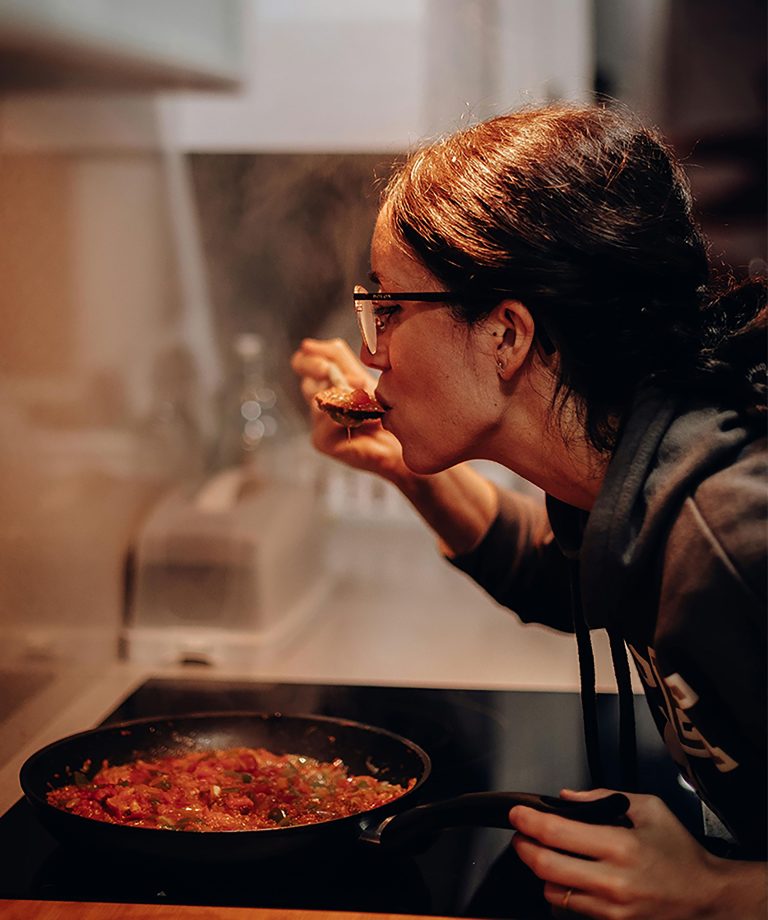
[477, 740]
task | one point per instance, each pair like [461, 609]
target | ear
[514, 329]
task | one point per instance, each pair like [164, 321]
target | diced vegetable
[234, 789]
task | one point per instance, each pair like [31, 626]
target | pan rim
[38, 800]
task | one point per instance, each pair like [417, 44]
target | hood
[665, 451]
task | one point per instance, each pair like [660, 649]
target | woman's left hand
[654, 869]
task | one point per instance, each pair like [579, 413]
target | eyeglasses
[372, 323]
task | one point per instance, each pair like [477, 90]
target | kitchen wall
[111, 353]
[120, 291]
[698, 70]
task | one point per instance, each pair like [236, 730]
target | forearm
[522, 568]
[458, 504]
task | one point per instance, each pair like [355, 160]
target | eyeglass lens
[366, 319]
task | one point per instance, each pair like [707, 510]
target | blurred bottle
[257, 424]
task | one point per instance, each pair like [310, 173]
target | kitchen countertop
[65, 910]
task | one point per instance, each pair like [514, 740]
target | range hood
[141, 45]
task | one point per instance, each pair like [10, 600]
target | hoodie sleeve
[520, 565]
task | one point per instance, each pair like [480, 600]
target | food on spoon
[349, 408]
[238, 789]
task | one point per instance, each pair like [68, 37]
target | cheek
[439, 424]
[439, 386]
[433, 441]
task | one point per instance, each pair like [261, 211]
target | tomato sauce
[239, 789]
[349, 408]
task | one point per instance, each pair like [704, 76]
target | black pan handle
[491, 809]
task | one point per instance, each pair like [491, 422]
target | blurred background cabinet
[101, 44]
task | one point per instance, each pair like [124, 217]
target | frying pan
[365, 749]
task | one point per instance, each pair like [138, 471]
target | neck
[550, 451]
[576, 480]
[573, 475]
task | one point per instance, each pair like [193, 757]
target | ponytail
[733, 360]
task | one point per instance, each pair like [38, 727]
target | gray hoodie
[672, 558]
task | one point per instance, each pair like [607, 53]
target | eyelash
[386, 311]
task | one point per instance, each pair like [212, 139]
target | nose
[379, 361]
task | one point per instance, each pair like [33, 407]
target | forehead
[395, 267]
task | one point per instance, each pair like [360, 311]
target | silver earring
[500, 365]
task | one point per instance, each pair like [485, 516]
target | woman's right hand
[368, 447]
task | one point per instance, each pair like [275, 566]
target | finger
[593, 841]
[339, 352]
[586, 795]
[310, 388]
[330, 438]
[318, 367]
[562, 869]
[560, 898]
[643, 809]
[333, 349]
[569, 902]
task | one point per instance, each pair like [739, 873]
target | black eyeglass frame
[546, 342]
[418, 296]
[424, 296]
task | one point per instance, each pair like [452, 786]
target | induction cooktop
[477, 739]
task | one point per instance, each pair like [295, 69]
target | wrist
[741, 889]
[458, 504]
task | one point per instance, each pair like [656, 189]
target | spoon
[347, 406]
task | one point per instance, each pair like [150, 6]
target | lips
[381, 401]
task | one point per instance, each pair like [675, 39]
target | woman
[544, 302]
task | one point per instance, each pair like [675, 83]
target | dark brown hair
[585, 216]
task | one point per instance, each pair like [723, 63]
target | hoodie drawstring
[586, 682]
[627, 734]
